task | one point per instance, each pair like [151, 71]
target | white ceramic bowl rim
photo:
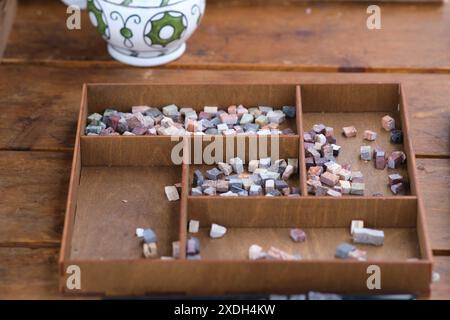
[140, 4]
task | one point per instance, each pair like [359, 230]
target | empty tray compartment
[113, 201]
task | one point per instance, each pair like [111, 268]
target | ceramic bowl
[146, 32]
[79, 3]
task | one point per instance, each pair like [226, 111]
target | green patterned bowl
[146, 33]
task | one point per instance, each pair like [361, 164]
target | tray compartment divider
[305, 212]
[301, 161]
[184, 208]
[74, 182]
[422, 226]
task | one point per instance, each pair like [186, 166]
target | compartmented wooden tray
[99, 232]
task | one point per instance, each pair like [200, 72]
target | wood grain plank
[42, 115]
[333, 37]
[7, 15]
[434, 186]
[33, 188]
[29, 273]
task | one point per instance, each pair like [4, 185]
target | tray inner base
[105, 225]
[400, 243]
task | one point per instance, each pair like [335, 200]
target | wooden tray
[99, 227]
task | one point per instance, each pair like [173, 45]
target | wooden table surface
[44, 66]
